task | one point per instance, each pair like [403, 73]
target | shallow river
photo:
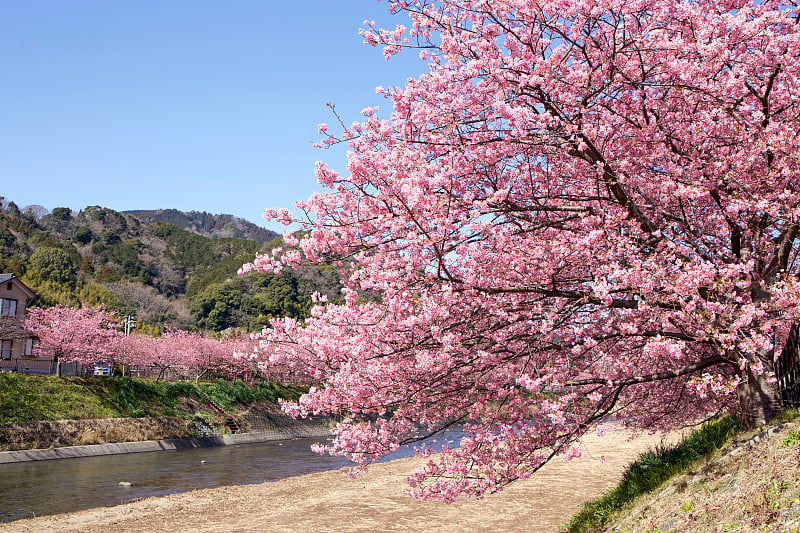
[39, 488]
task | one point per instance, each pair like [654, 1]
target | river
[40, 488]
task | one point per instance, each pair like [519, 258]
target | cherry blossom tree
[582, 210]
[144, 351]
[69, 334]
[181, 352]
[271, 361]
[188, 352]
[199, 355]
[242, 358]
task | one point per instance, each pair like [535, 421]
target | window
[30, 346]
[8, 307]
[5, 349]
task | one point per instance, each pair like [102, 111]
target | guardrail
[40, 366]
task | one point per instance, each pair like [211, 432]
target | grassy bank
[651, 470]
[667, 478]
[31, 398]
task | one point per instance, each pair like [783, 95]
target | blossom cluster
[583, 210]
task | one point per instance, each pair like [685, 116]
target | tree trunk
[759, 401]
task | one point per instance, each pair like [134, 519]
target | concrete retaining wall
[66, 452]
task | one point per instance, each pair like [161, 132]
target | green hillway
[31, 406]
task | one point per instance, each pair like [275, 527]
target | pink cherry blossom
[582, 210]
[69, 334]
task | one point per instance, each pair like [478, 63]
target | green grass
[787, 414]
[651, 470]
[31, 397]
[227, 394]
[26, 398]
[791, 439]
[140, 398]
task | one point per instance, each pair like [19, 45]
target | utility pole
[130, 324]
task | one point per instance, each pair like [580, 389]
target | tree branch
[648, 378]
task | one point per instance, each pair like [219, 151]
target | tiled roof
[6, 277]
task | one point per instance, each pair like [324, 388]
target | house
[17, 347]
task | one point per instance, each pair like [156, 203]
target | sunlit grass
[651, 470]
[31, 397]
[27, 398]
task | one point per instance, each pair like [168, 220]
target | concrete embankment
[299, 431]
[62, 439]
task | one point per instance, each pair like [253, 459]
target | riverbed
[325, 501]
[41, 488]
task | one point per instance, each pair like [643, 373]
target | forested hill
[139, 263]
[207, 224]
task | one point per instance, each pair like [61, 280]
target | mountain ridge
[207, 224]
[165, 266]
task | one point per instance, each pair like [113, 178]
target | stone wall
[58, 433]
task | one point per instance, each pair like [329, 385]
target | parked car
[103, 368]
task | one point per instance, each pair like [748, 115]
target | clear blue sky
[193, 105]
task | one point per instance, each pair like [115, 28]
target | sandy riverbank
[374, 502]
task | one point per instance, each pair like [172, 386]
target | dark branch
[648, 378]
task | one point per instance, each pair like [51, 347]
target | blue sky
[202, 105]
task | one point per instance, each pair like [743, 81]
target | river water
[40, 488]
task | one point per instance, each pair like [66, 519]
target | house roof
[9, 277]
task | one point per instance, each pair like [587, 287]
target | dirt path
[374, 502]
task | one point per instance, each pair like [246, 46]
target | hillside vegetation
[206, 224]
[164, 266]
